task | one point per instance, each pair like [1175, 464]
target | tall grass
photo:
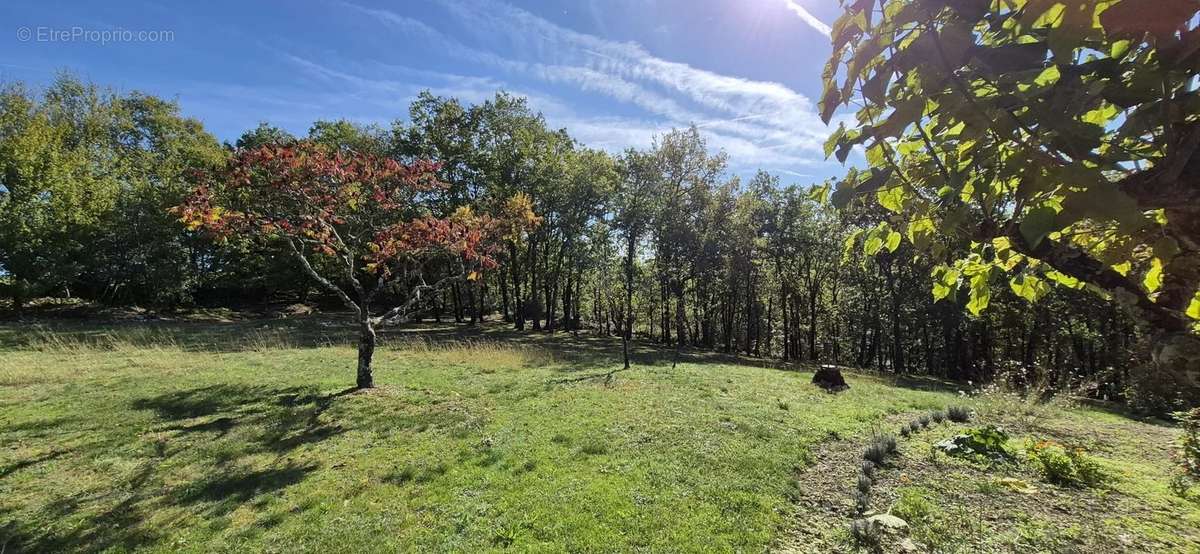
[134, 339]
[484, 353]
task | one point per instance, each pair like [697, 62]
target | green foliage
[938, 416]
[913, 505]
[988, 443]
[1061, 465]
[1047, 137]
[1188, 450]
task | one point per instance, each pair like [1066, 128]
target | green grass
[235, 437]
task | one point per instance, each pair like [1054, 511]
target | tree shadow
[15, 467]
[204, 433]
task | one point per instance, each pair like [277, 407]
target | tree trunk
[627, 331]
[518, 302]
[366, 351]
[504, 298]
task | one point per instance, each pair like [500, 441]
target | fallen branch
[607, 377]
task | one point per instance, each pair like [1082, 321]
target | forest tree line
[664, 242]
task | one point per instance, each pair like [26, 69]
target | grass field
[243, 436]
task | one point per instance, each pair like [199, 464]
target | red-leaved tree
[354, 223]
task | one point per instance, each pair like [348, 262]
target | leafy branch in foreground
[1058, 139]
[355, 224]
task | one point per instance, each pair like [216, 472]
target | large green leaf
[980, 294]
[1038, 223]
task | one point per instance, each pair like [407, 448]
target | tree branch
[317, 276]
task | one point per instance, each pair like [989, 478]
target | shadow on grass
[205, 432]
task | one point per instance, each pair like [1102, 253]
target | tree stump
[830, 378]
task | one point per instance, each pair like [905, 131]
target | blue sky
[613, 72]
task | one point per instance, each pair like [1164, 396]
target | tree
[359, 213]
[633, 213]
[1060, 138]
[85, 178]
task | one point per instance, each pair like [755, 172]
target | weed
[982, 443]
[905, 431]
[594, 446]
[924, 421]
[1061, 465]
[560, 438]
[913, 505]
[938, 416]
[783, 405]
[506, 535]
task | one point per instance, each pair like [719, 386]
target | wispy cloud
[759, 123]
[808, 18]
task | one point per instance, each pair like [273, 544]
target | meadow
[243, 436]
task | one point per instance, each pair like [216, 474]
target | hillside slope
[202, 437]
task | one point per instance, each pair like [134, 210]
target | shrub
[938, 416]
[889, 443]
[958, 414]
[867, 468]
[875, 453]
[905, 431]
[864, 483]
[924, 421]
[1063, 466]
[1188, 453]
[862, 501]
[864, 533]
[913, 426]
[987, 443]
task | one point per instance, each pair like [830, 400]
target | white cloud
[808, 18]
[757, 122]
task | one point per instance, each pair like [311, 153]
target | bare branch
[323, 281]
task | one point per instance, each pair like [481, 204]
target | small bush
[905, 431]
[938, 416]
[889, 443]
[864, 533]
[875, 453]
[1063, 466]
[864, 483]
[924, 421]
[867, 468]
[958, 414]
[862, 501]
